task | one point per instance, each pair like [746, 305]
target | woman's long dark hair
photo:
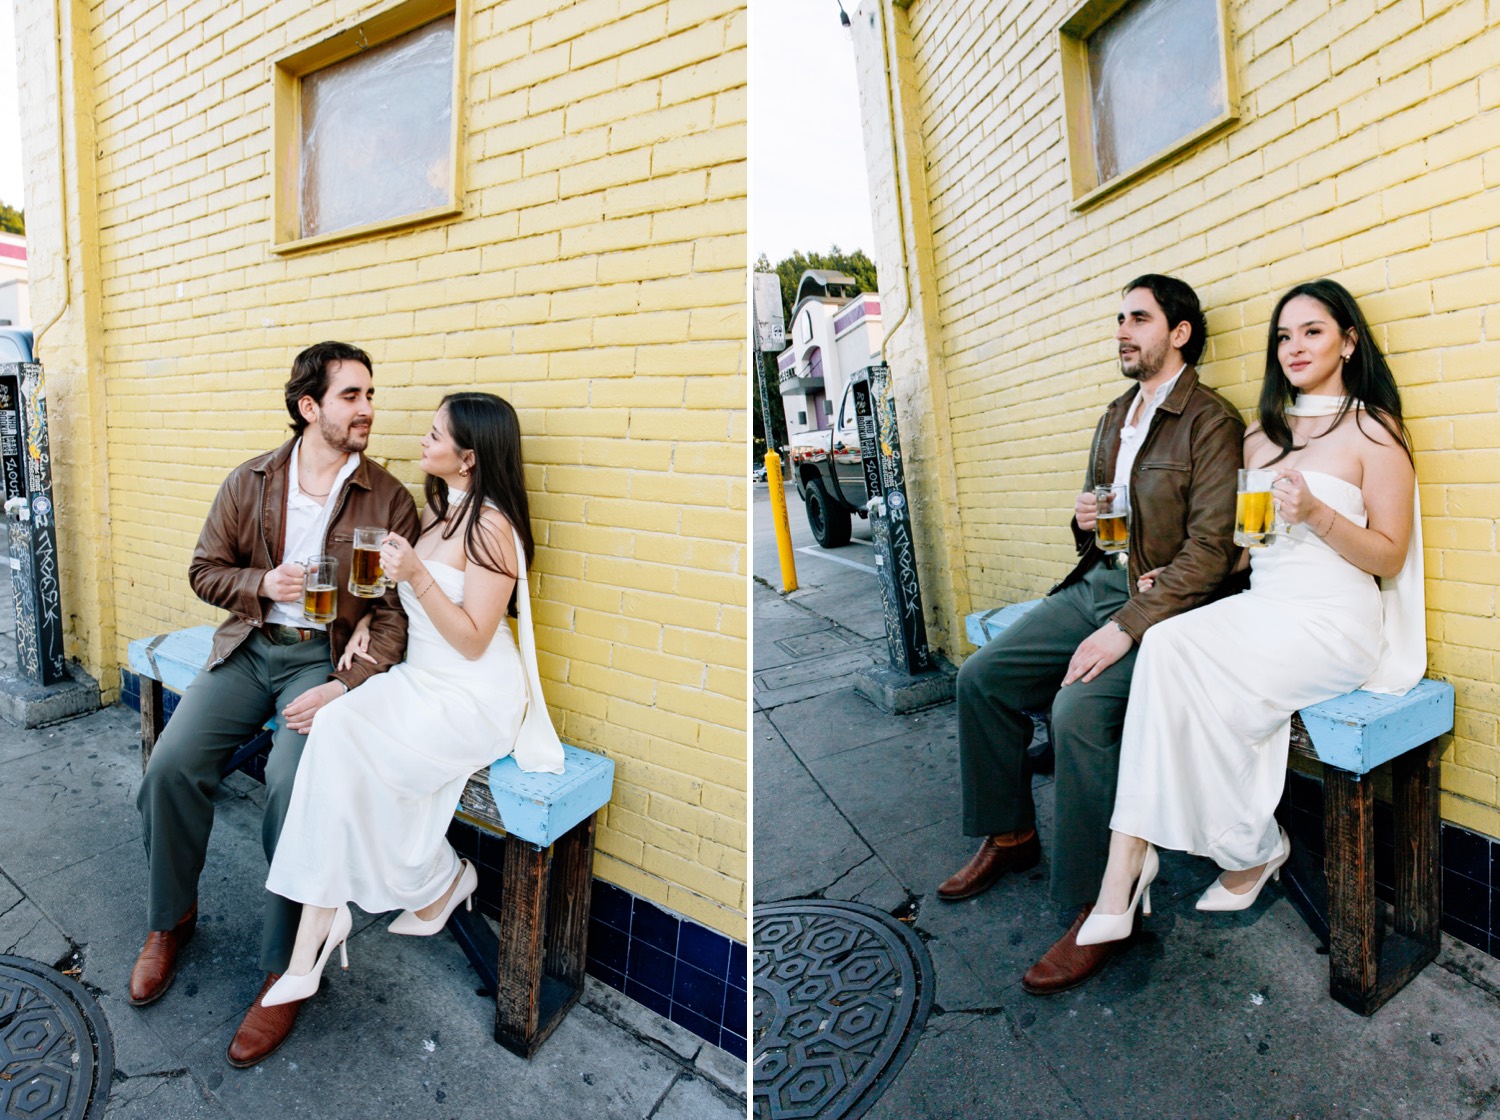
[1367, 376]
[486, 425]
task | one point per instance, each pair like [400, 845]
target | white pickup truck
[830, 476]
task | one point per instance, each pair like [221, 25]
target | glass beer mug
[1254, 509]
[1112, 531]
[320, 588]
[366, 580]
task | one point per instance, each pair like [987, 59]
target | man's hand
[1086, 511]
[283, 584]
[299, 713]
[1098, 652]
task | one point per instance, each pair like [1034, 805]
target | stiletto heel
[1098, 928]
[463, 892]
[290, 989]
[1219, 897]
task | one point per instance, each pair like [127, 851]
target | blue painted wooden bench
[536, 965]
[1350, 736]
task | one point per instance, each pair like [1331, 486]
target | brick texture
[595, 279]
[1368, 149]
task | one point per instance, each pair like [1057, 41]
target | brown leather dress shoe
[1068, 964]
[156, 967]
[989, 863]
[263, 1028]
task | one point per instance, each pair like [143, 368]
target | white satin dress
[384, 766]
[1204, 749]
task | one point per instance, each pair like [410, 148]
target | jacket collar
[1176, 400]
[275, 462]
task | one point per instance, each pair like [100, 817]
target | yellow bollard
[783, 527]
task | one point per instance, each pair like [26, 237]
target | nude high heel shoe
[290, 989]
[1220, 897]
[411, 925]
[1099, 928]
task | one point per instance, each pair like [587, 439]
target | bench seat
[1350, 736]
[536, 965]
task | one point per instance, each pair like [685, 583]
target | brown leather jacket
[243, 538]
[1182, 488]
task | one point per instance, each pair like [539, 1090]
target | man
[303, 499]
[1176, 444]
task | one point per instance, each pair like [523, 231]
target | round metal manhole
[842, 991]
[56, 1059]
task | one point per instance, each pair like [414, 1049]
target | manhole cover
[841, 994]
[56, 1060]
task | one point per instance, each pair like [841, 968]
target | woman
[1203, 754]
[384, 766]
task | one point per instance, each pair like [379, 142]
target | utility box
[26, 475]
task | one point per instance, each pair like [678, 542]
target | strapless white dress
[384, 766]
[1204, 749]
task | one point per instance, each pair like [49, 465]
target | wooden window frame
[1078, 105]
[287, 72]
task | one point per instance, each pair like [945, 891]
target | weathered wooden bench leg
[568, 907]
[152, 718]
[1349, 857]
[518, 987]
[1418, 824]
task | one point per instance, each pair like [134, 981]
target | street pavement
[403, 1034]
[1211, 1016]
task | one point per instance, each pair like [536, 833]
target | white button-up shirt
[306, 524]
[1133, 435]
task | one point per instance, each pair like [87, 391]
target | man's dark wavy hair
[310, 374]
[1180, 305]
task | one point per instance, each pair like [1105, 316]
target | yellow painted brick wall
[1368, 150]
[595, 279]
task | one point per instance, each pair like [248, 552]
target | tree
[12, 220]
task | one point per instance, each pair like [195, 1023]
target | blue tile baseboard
[685, 972]
[1469, 863]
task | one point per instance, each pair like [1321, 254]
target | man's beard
[1148, 364]
[348, 441]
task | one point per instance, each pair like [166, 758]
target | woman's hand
[358, 646]
[1147, 580]
[1294, 501]
[397, 559]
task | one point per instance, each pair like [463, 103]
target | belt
[1117, 561]
[290, 635]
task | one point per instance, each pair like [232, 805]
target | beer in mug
[320, 589]
[1112, 530]
[1254, 509]
[366, 580]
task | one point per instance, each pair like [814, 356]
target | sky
[808, 188]
[10, 114]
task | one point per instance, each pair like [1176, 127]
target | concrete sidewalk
[1210, 1016]
[402, 1034]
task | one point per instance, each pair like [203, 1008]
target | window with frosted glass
[366, 126]
[375, 133]
[1142, 80]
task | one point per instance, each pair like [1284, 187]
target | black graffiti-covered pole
[26, 471]
[890, 520]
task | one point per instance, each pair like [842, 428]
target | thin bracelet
[1334, 516]
[430, 581]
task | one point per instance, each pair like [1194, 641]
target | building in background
[15, 303]
[835, 331]
[546, 201]
[1021, 190]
